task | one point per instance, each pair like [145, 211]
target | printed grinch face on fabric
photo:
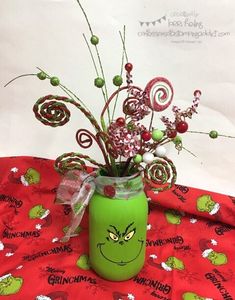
[31, 176]
[173, 216]
[174, 263]
[10, 285]
[38, 212]
[193, 296]
[206, 204]
[83, 262]
[217, 259]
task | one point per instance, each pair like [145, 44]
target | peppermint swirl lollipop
[159, 93]
[51, 112]
[160, 174]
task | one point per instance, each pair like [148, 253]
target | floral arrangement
[126, 145]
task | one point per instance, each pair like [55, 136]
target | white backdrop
[189, 42]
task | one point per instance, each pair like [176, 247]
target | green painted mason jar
[117, 227]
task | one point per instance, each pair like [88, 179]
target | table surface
[189, 253]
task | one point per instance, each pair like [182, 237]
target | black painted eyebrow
[117, 232]
[128, 228]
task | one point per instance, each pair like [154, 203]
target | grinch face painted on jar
[117, 236]
[116, 240]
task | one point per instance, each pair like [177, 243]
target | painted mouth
[120, 263]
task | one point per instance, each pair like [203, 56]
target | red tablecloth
[190, 243]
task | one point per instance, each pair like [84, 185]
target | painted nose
[121, 242]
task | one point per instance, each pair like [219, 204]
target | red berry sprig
[128, 67]
[120, 122]
[182, 127]
[146, 136]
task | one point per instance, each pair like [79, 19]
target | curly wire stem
[71, 101]
[98, 140]
[114, 94]
[164, 168]
[73, 160]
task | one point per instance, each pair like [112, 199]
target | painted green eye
[129, 235]
[113, 236]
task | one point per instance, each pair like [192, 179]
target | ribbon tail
[79, 202]
[75, 222]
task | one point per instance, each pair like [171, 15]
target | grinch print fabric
[190, 243]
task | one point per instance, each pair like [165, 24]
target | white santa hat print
[205, 246]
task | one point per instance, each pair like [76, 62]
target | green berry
[177, 140]
[117, 80]
[157, 135]
[213, 134]
[138, 158]
[94, 40]
[131, 126]
[54, 81]
[99, 82]
[41, 75]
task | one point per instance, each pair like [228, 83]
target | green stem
[189, 151]
[151, 121]
[64, 88]
[85, 15]
[91, 54]
[122, 63]
[97, 73]
[98, 56]
[123, 42]
[24, 75]
[207, 133]
[114, 166]
[126, 166]
[105, 86]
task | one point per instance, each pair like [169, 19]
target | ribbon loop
[77, 188]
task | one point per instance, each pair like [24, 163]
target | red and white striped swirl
[159, 93]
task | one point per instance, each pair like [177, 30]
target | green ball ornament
[177, 140]
[94, 40]
[41, 75]
[54, 81]
[137, 158]
[213, 134]
[99, 82]
[117, 80]
[157, 135]
[131, 126]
